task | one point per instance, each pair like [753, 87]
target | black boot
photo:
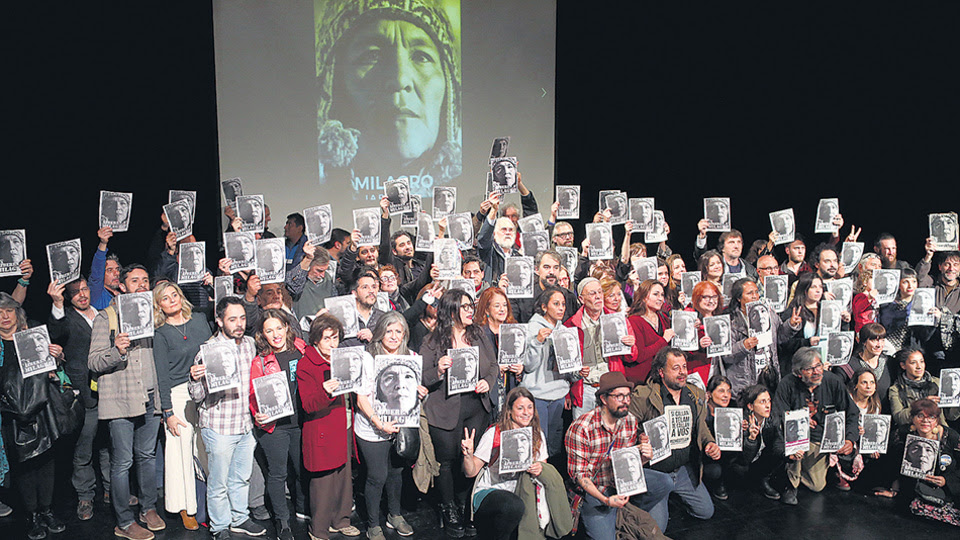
[35, 528]
[51, 522]
[768, 490]
[450, 515]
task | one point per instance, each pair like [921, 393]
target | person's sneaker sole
[351, 531]
[120, 534]
[245, 532]
[390, 526]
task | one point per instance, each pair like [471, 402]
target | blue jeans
[660, 485]
[133, 439]
[91, 452]
[230, 463]
[599, 520]
[551, 421]
[589, 401]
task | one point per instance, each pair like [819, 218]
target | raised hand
[55, 290]
[466, 445]
[795, 319]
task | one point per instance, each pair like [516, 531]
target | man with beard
[398, 248]
[886, 247]
[796, 263]
[731, 247]
[365, 290]
[590, 441]
[548, 270]
[945, 285]
[679, 473]
[496, 241]
[104, 272]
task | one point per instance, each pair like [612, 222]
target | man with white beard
[495, 242]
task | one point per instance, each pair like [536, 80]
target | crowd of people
[216, 460]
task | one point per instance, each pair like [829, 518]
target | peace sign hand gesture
[467, 443]
[795, 319]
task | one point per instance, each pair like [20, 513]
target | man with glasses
[766, 266]
[563, 234]
[820, 392]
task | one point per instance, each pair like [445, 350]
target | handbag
[66, 407]
[406, 443]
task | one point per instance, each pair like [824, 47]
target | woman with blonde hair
[864, 299]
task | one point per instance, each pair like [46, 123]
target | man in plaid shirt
[590, 440]
[227, 429]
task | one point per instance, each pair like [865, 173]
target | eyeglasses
[925, 418]
[711, 298]
[564, 234]
[468, 307]
[388, 279]
[620, 397]
[767, 268]
[811, 369]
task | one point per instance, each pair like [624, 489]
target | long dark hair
[448, 314]
[800, 297]
[263, 346]
[873, 402]
[736, 294]
[506, 416]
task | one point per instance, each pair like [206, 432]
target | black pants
[34, 479]
[384, 470]
[282, 452]
[499, 515]
[446, 445]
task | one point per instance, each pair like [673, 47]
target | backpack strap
[495, 451]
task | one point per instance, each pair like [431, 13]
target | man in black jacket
[548, 271]
[398, 248]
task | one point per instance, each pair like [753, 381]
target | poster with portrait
[222, 361]
[460, 228]
[512, 345]
[718, 329]
[759, 323]
[646, 268]
[444, 201]
[796, 431]
[531, 223]
[876, 433]
[501, 145]
[397, 192]
[850, 255]
[628, 471]
[532, 243]
[568, 198]
[726, 284]
[503, 174]
[447, 258]
[716, 210]
[680, 420]
[63, 259]
[684, 324]
[618, 206]
[232, 189]
[13, 251]
[569, 258]
[566, 349]
[641, 214]
[602, 198]
[175, 195]
[842, 291]
[179, 218]
[613, 327]
[728, 426]
[516, 450]
[949, 387]
[272, 393]
[346, 366]
[943, 230]
[318, 223]
[465, 285]
[600, 236]
[922, 307]
[222, 288]
[784, 225]
[519, 272]
[192, 267]
[115, 210]
[658, 432]
[33, 351]
[409, 219]
[919, 456]
[395, 396]
[271, 261]
[464, 371]
[367, 221]
[834, 426]
[695, 379]
[831, 317]
[839, 347]
[383, 301]
[659, 233]
[827, 209]
[426, 232]
[689, 280]
[887, 283]
[344, 308]
[241, 249]
[135, 311]
[776, 290]
[251, 212]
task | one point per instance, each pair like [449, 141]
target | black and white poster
[444, 201]
[850, 255]
[13, 251]
[776, 290]
[949, 387]
[833, 432]
[876, 433]
[193, 257]
[532, 243]
[251, 212]
[695, 379]
[222, 362]
[646, 268]
[185, 195]
[115, 210]
[346, 366]
[826, 211]
[504, 174]
[659, 233]
[569, 258]
[726, 284]
[232, 189]
[531, 223]
[842, 291]
[519, 272]
[602, 198]
[512, 344]
[680, 420]
[718, 329]
[367, 221]
[426, 232]
[628, 471]
[447, 258]
[318, 221]
[272, 393]
[222, 288]
[241, 249]
[784, 225]
[922, 307]
[409, 219]
[887, 283]
[943, 230]
[64, 260]
[464, 373]
[831, 317]
[600, 236]
[271, 260]
[716, 210]
[684, 324]
[395, 396]
[658, 432]
[179, 218]
[617, 205]
[689, 280]
[33, 351]
[516, 450]
[641, 214]
[759, 323]
[568, 198]
[566, 349]
[398, 193]
[460, 228]
[501, 146]
[135, 311]
[839, 348]
[383, 301]
[728, 426]
[465, 285]
[796, 431]
[344, 308]
[613, 327]
[919, 457]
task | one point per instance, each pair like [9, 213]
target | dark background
[772, 105]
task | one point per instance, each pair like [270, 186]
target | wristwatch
[167, 414]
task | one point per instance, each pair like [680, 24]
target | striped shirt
[226, 412]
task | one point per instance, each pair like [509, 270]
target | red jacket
[325, 436]
[615, 363]
[649, 344]
[265, 366]
[864, 311]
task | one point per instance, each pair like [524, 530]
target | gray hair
[375, 346]
[320, 257]
[804, 358]
[8, 302]
[508, 206]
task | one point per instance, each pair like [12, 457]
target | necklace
[182, 332]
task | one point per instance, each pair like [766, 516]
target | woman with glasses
[389, 283]
[448, 414]
[493, 310]
[707, 301]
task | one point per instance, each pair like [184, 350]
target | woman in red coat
[326, 455]
[651, 327]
